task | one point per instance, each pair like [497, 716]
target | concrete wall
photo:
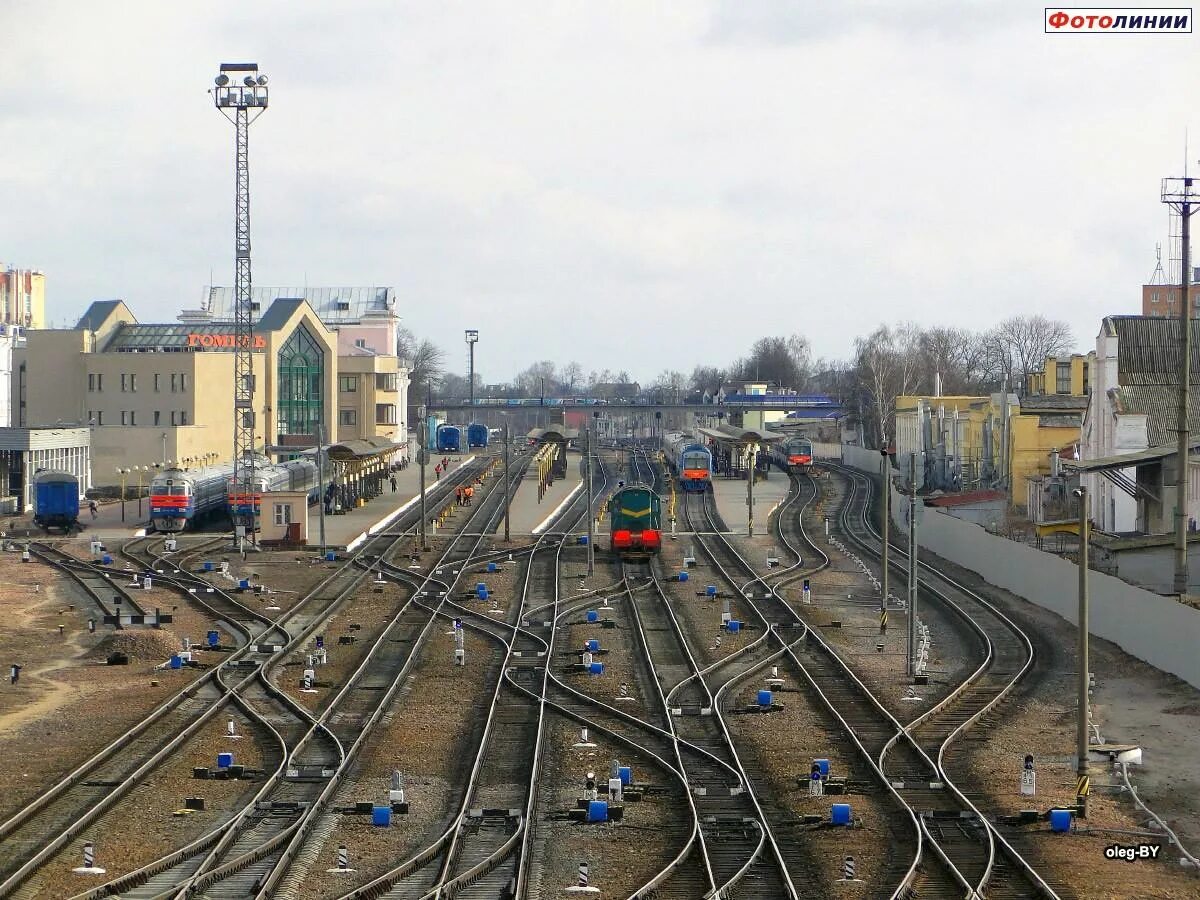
[1156, 629]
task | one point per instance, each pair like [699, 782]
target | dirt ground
[62, 683]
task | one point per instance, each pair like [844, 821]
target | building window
[1063, 385]
[173, 379]
[361, 343]
[99, 417]
[183, 417]
[173, 416]
[1086, 372]
[183, 382]
[124, 417]
[99, 381]
[385, 413]
[347, 417]
[133, 382]
[157, 380]
[91, 382]
[157, 416]
[283, 514]
[124, 382]
[301, 367]
[1154, 297]
[386, 381]
[348, 384]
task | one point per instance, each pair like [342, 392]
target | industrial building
[158, 392]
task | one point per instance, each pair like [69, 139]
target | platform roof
[553, 433]
[1124, 460]
[729, 434]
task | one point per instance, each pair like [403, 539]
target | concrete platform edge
[397, 512]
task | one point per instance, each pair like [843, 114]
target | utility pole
[912, 563]
[423, 427]
[321, 482]
[883, 593]
[587, 440]
[507, 482]
[1178, 194]
[1081, 728]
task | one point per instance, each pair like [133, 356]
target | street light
[472, 340]
[122, 472]
[141, 471]
[887, 491]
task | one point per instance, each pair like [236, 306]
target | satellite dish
[221, 80]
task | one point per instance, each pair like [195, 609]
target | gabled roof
[97, 314]
[279, 312]
[1159, 403]
[1148, 349]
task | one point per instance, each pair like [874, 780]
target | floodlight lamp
[262, 80]
[221, 80]
[248, 81]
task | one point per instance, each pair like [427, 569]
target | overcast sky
[632, 185]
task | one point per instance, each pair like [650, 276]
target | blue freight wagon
[477, 435]
[56, 500]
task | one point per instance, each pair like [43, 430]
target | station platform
[730, 495]
[107, 526]
[529, 516]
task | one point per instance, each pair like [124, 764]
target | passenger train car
[477, 435]
[293, 475]
[179, 497]
[635, 522]
[793, 454]
[449, 438]
[55, 500]
[691, 462]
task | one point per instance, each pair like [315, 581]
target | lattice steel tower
[241, 104]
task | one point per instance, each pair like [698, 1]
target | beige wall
[53, 369]
[367, 396]
[297, 501]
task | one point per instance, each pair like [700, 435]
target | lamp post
[122, 472]
[321, 482]
[472, 339]
[141, 471]
[913, 567]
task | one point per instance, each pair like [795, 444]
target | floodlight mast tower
[241, 104]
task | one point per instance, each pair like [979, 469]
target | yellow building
[1064, 377]
[164, 392]
[22, 297]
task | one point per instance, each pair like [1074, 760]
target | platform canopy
[729, 434]
[559, 434]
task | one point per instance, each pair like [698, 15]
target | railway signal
[1028, 777]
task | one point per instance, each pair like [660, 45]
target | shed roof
[969, 498]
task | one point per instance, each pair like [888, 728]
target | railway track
[992, 860]
[42, 828]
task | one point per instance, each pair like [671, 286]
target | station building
[155, 393]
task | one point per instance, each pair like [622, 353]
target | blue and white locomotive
[182, 496]
[691, 462]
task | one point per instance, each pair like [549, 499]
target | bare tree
[572, 374]
[1020, 344]
[887, 365]
[425, 362]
